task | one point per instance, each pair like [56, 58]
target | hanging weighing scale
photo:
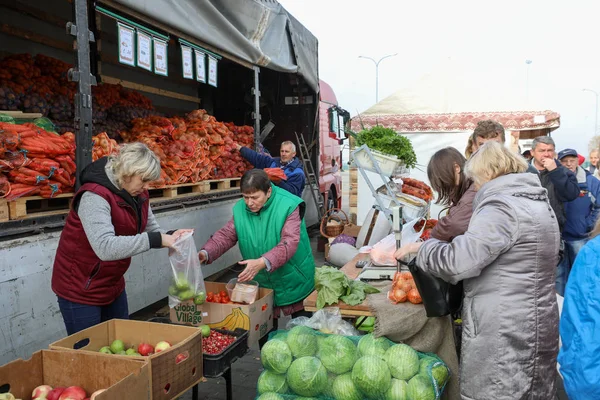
[371, 272]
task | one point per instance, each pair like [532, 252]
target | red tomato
[217, 298]
[223, 293]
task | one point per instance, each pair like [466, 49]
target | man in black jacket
[560, 183]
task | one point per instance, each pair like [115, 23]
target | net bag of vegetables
[304, 363]
[188, 282]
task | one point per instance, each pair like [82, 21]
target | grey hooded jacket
[507, 260]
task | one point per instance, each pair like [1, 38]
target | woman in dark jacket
[446, 173]
[110, 221]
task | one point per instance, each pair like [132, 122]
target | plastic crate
[216, 364]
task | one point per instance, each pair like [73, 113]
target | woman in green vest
[268, 225]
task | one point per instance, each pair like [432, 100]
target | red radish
[145, 349]
[73, 393]
[161, 346]
[41, 392]
[55, 393]
[96, 393]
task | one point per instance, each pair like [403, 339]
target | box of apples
[173, 352]
[62, 375]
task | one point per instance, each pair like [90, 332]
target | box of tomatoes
[218, 311]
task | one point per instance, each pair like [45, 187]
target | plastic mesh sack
[188, 282]
[303, 363]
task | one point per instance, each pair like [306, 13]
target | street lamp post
[596, 118]
[377, 72]
[528, 62]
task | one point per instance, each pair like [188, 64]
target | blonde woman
[594, 158]
[471, 147]
[110, 221]
[507, 260]
[579, 357]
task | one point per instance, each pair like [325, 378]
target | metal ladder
[311, 177]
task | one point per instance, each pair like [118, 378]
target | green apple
[117, 346]
[130, 351]
[200, 297]
[205, 330]
[105, 350]
[173, 291]
[122, 353]
[135, 354]
[186, 295]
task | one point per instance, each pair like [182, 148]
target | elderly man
[291, 166]
[581, 213]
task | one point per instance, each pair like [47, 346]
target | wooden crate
[4, 215]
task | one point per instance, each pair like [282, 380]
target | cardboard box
[256, 318]
[123, 379]
[351, 230]
[169, 379]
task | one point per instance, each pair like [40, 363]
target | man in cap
[581, 214]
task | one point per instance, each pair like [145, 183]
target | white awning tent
[442, 108]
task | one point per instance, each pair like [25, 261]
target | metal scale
[371, 272]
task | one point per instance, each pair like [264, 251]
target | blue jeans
[78, 317]
[566, 263]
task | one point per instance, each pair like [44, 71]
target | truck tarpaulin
[260, 32]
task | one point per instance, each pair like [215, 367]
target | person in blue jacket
[292, 167]
[579, 356]
[581, 214]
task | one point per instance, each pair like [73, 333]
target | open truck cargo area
[261, 74]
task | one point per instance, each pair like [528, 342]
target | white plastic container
[389, 165]
[243, 292]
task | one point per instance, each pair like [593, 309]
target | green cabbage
[368, 345]
[431, 366]
[371, 376]
[398, 390]
[403, 361]
[270, 396]
[302, 341]
[271, 382]
[276, 356]
[420, 388]
[307, 376]
[337, 353]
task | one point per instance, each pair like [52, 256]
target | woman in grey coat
[507, 260]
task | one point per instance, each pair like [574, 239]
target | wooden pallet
[36, 206]
[21, 114]
[4, 216]
[187, 189]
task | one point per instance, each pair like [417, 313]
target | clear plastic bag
[382, 253]
[188, 282]
[327, 320]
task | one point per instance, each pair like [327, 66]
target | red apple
[160, 346]
[96, 393]
[73, 393]
[55, 393]
[41, 392]
[145, 349]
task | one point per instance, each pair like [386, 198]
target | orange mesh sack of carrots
[276, 175]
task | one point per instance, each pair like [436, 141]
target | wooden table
[360, 310]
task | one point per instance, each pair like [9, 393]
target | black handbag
[439, 297]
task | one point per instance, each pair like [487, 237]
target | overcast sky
[491, 39]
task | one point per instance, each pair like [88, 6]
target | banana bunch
[7, 396]
[237, 319]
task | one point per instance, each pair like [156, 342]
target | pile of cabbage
[306, 364]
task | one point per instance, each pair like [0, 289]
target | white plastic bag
[188, 282]
[327, 320]
[383, 251]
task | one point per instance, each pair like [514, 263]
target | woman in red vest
[110, 221]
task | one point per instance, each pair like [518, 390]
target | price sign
[212, 71]
[144, 51]
[126, 45]
[188, 62]
[200, 66]
[160, 57]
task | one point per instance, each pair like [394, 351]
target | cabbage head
[369, 345]
[398, 390]
[344, 388]
[431, 366]
[271, 382]
[307, 376]
[403, 361]
[302, 341]
[371, 376]
[421, 388]
[338, 354]
[276, 356]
